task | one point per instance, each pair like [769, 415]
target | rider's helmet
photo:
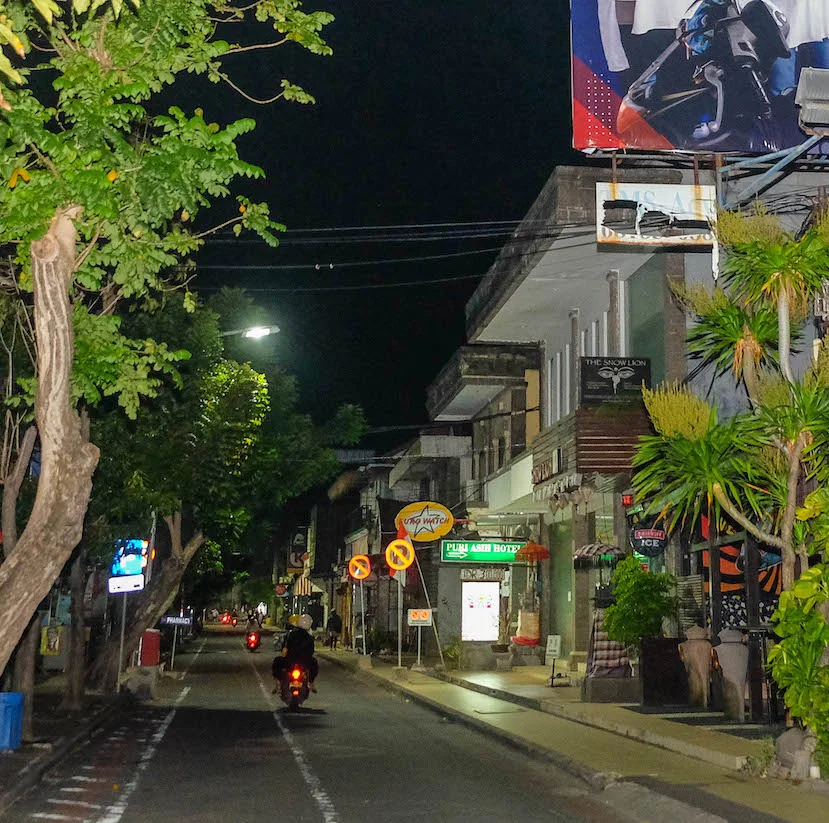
[305, 622]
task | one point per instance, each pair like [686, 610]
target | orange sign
[359, 567]
[400, 554]
[425, 522]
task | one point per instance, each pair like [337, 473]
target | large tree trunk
[145, 609]
[25, 665]
[67, 458]
[75, 671]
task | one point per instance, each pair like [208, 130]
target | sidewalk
[571, 737]
[696, 734]
[57, 733]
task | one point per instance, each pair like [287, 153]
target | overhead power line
[355, 287]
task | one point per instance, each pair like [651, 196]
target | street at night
[414, 411]
[218, 747]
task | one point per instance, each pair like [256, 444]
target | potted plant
[643, 600]
[501, 649]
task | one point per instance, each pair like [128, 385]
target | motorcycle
[253, 639]
[225, 619]
[709, 88]
[294, 689]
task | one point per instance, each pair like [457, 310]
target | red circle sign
[359, 567]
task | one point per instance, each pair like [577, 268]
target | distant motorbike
[225, 619]
[294, 689]
[710, 86]
[253, 640]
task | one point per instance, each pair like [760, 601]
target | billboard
[694, 75]
[655, 214]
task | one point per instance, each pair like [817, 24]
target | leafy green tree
[102, 206]
[751, 470]
[215, 458]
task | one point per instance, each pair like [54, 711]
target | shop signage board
[126, 583]
[484, 573]
[476, 551]
[649, 542]
[425, 521]
[613, 379]
[643, 214]
[176, 620]
[420, 617]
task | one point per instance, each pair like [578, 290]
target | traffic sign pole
[121, 646]
[399, 577]
[173, 656]
[363, 617]
[419, 630]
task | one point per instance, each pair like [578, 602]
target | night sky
[429, 112]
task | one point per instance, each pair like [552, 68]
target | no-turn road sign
[359, 567]
[400, 554]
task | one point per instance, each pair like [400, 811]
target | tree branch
[11, 490]
[46, 161]
[247, 96]
[219, 227]
[240, 49]
[738, 517]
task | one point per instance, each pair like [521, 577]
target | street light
[253, 333]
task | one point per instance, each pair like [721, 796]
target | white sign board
[655, 214]
[126, 583]
[420, 617]
[553, 646]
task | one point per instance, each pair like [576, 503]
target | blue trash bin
[11, 720]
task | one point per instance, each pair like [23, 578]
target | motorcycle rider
[298, 648]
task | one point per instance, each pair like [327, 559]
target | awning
[597, 550]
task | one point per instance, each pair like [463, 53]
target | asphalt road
[216, 747]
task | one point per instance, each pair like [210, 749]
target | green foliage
[642, 601]
[749, 470]
[678, 474]
[758, 765]
[798, 660]
[453, 650]
[143, 179]
[675, 410]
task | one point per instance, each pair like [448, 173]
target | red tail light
[296, 673]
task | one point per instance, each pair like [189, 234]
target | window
[425, 488]
[481, 465]
[502, 451]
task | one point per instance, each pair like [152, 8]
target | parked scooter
[710, 86]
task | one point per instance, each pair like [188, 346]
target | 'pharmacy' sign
[476, 551]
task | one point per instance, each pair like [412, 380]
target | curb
[596, 779]
[32, 773]
[732, 762]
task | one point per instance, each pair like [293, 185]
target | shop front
[479, 596]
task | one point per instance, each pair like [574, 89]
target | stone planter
[503, 661]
